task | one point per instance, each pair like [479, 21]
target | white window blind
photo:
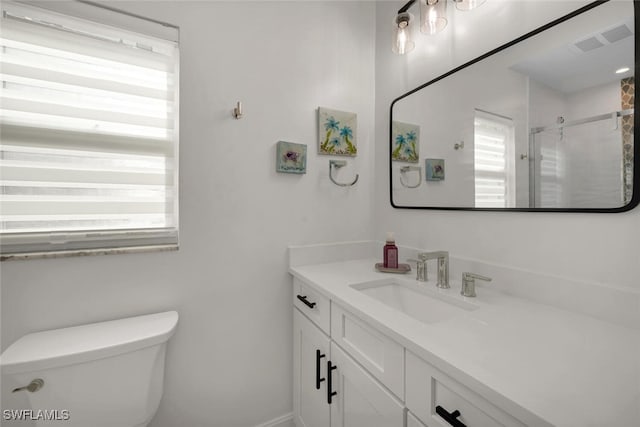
[89, 128]
[493, 166]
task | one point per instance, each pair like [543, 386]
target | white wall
[597, 248]
[229, 364]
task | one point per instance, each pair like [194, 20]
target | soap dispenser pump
[390, 252]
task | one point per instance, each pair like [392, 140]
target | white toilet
[107, 374]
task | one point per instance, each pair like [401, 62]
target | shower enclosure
[581, 163]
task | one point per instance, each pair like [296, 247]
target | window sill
[87, 252]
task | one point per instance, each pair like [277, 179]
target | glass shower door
[578, 164]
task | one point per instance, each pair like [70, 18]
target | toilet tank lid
[61, 347]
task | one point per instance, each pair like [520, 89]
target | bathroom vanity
[374, 349]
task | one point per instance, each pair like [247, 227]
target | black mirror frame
[635, 198]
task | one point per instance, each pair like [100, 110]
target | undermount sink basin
[416, 299]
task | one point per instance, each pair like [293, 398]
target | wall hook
[237, 111]
[406, 169]
[338, 164]
[458, 145]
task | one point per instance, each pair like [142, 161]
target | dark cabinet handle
[330, 393]
[318, 379]
[303, 298]
[450, 417]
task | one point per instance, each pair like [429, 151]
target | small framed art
[337, 132]
[405, 138]
[434, 169]
[291, 157]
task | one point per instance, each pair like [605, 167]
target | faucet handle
[469, 283]
[421, 269]
[473, 276]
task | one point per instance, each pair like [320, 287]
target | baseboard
[285, 420]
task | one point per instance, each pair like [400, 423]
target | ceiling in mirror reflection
[540, 125]
[589, 61]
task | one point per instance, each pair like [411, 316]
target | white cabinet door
[310, 357]
[377, 353]
[360, 401]
[412, 421]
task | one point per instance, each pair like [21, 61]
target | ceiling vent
[589, 44]
[603, 38]
[617, 33]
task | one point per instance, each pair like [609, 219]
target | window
[89, 125]
[493, 161]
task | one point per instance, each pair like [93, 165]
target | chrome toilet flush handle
[469, 283]
[33, 386]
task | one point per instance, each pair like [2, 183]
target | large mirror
[545, 122]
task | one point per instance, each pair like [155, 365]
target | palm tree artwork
[401, 141]
[337, 132]
[346, 133]
[330, 125]
[405, 138]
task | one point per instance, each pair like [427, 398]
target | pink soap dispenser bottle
[390, 252]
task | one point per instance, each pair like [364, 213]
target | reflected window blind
[493, 137]
[89, 127]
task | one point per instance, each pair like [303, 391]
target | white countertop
[543, 364]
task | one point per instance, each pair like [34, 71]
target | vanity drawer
[313, 304]
[377, 353]
[429, 388]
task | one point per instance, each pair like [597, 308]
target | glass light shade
[468, 4]
[402, 42]
[433, 16]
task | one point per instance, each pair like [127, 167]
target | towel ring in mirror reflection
[405, 169]
[338, 164]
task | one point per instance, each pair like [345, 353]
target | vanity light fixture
[433, 19]
[402, 42]
[468, 4]
[433, 16]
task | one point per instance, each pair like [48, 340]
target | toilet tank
[107, 374]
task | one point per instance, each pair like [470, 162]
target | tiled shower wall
[627, 87]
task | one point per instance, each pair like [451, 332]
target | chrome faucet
[443, 266]
[469, 283]
[421, 268]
